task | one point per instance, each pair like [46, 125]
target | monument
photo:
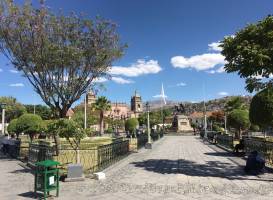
[181, 122]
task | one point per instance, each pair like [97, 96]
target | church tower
[91, 98]
[136, 103]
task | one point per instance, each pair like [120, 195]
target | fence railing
[92, 159]
[217, 138]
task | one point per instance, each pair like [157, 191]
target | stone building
[136, 104]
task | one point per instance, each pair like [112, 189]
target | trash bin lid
[47, 163]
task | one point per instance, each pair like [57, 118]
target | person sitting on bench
[239, 146]
[255, 163]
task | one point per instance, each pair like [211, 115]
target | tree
[249, 53]
[102, 105]
[131, 124]
[60, 55]
[13, 128]
[43, 111]
[13, 108]
[234, 103]
[239, 119]
[71, 131]
[92, 115]
[217, 117]
[30, 124]
[261, 108]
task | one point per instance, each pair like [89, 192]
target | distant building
[91, 98]
[198, 117]
[136, 104]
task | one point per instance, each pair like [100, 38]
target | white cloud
[219, 70]
[141, 67]
[223, 94]
[100, 80]
[261, 77]
[121, 80]
[198, 62]
[13, 71]
[160, 96]
[17, 85]
[181, 84]
[215, 46]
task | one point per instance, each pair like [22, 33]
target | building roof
[200, 114]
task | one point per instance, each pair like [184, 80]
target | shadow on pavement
[31, 195]
[190, 168]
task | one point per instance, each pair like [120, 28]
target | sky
[174, 42]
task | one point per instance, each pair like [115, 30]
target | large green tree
[61, 55]
[234, 103]
[249, 52]
[13, 108]
[239, 119]
[102, 105]
[261, 108]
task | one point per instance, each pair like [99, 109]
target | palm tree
[102, 105]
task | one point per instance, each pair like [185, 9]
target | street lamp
[3, 117]
[148, 145]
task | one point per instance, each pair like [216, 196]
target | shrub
[30, 124]
[131, 124]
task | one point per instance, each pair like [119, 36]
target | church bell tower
[136, 103]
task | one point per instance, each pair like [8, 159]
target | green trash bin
[46, 177]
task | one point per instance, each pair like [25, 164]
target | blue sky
[173, 42]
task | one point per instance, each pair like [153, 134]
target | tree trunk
[101, 123]
[57, 144]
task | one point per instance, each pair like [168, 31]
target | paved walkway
[178, 167]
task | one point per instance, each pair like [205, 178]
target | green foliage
[239, 119]
[78, 117]
[102, 105]
[61, 55]
[68, 129]
[43, 111]
[30, 124]
[250, 54]
[254, 128]
[13, 108]
[131, 124]
[13, 128]
[155, 117]
[261, 108]
[234, 103]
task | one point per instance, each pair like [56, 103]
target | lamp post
[148, 145]
[3, 117]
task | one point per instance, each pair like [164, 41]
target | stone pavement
[178, 167]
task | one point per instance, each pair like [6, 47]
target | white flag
[163, 95]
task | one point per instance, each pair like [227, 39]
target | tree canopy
[13, 108]
[30, 124]
[239, 119]
[131, 124]
[61, 55]
[43, 111]
[261, 108]
[234, 103]
[249, 52]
